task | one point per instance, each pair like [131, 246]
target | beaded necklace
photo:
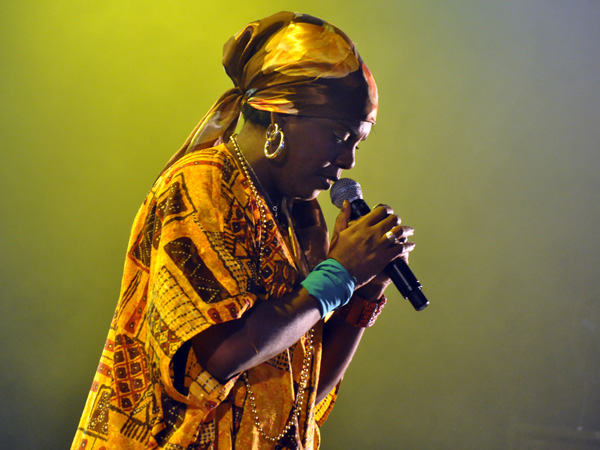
[300, 396]
[306, 362]
[262, 205]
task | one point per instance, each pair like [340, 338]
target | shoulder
[212, 160]
[208, 170]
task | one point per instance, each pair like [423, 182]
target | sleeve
[201, 271]
[325, 406]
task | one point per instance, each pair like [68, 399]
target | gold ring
[391, 237]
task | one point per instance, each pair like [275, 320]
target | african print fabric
[191, 264]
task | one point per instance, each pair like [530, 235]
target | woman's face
[317, 150]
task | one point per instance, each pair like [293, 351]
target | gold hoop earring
[274, 132]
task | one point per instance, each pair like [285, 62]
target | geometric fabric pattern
[130, 372]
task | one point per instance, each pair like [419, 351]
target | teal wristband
[331, 284]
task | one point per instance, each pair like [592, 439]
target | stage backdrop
[487, 143]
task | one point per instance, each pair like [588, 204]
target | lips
[328, 180]
[330, 176]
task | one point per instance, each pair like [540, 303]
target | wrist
[330, 284]
[371, 292]
[360, 312]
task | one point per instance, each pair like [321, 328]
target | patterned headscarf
[293, 64]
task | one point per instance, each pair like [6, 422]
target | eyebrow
[352, 130]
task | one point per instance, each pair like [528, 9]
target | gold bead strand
[300, 396]
[306, 363]
[259, 200]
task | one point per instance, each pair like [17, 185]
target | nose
[345, 158]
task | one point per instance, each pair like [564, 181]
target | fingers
[399, 234]
[396, 239]
[383, 219]
[378, 214]
[341, 221]
[407, 247]
[365, 246]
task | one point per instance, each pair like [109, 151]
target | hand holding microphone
[397, 270]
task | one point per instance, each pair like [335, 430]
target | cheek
[314, 160]
[310, 156]
[311, 146]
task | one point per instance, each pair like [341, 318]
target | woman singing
[237, 317]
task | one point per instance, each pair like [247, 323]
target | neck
[251, 141]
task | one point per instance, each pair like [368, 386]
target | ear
[280, 119]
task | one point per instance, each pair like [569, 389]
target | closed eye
[341, 139]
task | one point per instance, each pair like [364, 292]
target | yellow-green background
[487, 143]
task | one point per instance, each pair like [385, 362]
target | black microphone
[397, 270]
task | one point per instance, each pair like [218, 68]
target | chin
[308, 195]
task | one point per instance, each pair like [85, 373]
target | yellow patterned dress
[191, 263]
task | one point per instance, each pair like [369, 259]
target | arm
[340, 339]
[230, 348]
[270, 327]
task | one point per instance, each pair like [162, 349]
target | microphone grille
[344, 189]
